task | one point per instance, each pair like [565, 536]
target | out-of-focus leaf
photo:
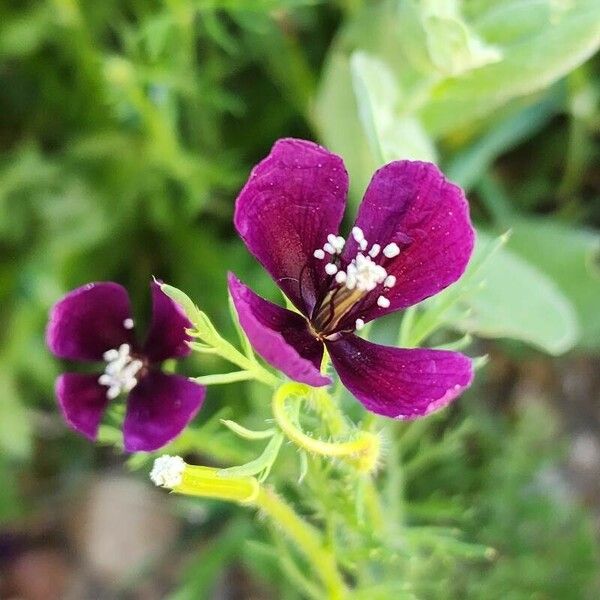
[391, 135]
[515, 300]
[538, 44]
[571, 257]
[15, 426]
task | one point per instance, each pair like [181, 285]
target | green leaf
[391, 135]
[571, 257]
[538, 44]
[15, 424]
[261, 465]
[515, 300]
[248, 434]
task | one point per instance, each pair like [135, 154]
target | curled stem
[362, 451]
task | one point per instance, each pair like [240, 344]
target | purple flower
[412, 238]
[94, 323]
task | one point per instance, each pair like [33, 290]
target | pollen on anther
[167, 471]
[320, 254]
[359, 324]
[374, 251]
[328, 248]
[390, 281]
[357, 234]
[391, 250]
[383, 302]
[128, 323]
[330, 269]
[340, 277]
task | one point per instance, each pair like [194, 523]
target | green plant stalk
[205, 482]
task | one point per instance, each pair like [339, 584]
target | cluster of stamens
[120, 372]
[362, 274]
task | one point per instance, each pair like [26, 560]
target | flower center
[120, 372]
[352, 283]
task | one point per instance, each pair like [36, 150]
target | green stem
[306, 538]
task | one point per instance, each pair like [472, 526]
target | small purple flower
[94, 323]
[412, 238]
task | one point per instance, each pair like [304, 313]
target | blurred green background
[127, 128]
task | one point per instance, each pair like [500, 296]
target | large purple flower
[94, 323]
[412, 238]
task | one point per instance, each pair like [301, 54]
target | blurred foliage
[126, 129]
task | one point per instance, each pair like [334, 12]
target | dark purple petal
[293, 199]
[167, 337]
[412, 204]
[158, 409]
[88, 321]
[279, 335]
[401, 383]
[82, 401]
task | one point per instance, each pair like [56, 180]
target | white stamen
[330, 269]
[341, 242]
[320, 254]
[340, 277]
[363, 244]
[120, 372]
[359, 324]
[128, 323]
[383, 302]
[357, 234]
[374, 251]
[391, 250]
[167, 471]
[390, 281]
[329, 248]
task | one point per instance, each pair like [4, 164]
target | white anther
[167, 471]
[359, 324]
[120, 372]
[363, 244]
[340, 277]
[374, 251]
[383, 302]
[320, 254]
[390, 281]
[340, 243]
[329, 248]
[357, 234]
[128, 323]
[330, 269]
[391, 250]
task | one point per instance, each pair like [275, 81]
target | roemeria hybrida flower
[94, 323]
[412, 238]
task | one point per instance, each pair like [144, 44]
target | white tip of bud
[329, 248]
[359, 324]
[383, 302]
[340, 277]
[128, 323]
[330, 269]
[357, 234]
[391, 250]
[390, 281]
[167, 471]
[374, 251]
[320, 254]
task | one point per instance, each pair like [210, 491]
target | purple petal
[293, 199]
[413, 205]
[82, 401]
[88, 321]
[158, 409]
[279, 335]
[400, 383]
[167, 337]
